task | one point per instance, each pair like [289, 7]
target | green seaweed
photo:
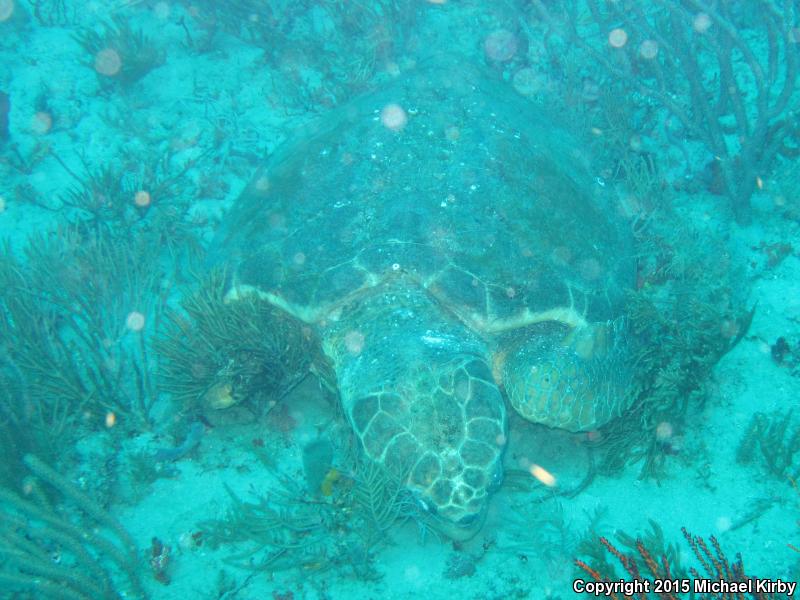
[774, 441]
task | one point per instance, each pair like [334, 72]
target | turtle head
[419, 394]
[571, 376]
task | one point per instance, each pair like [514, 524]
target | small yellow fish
[326, 487]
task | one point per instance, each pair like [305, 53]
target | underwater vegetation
[651, 557]
[120, 54]
[75, 312]
[340, 525]
[56, 542]
[53, 13]
[302, 42]
[133, 196]
[684, 316]
[701, 63]
[774, 442]
[217, 353]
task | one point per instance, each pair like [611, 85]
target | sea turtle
[448, 244]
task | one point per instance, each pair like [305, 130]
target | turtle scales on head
[447, 243]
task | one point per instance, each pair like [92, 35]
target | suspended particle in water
[594, 436]
[394, 117]
[161, 11]
[413, 572]
[500, 45]
[617, 38]
[664, 431]
[590, 269]
[41, 122]
[392, 68]
[729, 328]
[648, 50]
[452, 133]
[6, 9]
[299, 259]
[135, 321]
[701, 22]
[529, 82]
[354, 342]
[111, 419]
[542, 475]
[262, 184]
[395, 266]
[723, 524]
[462, 391]
[561, 255]
[142, 199]
[107, 62]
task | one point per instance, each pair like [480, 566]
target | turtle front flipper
[575, 378]
[420, 396]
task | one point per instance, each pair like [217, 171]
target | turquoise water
[388, 299]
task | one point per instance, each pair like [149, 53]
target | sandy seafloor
[177, 107]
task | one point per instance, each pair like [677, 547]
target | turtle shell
[443, 235]
[444, 175]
